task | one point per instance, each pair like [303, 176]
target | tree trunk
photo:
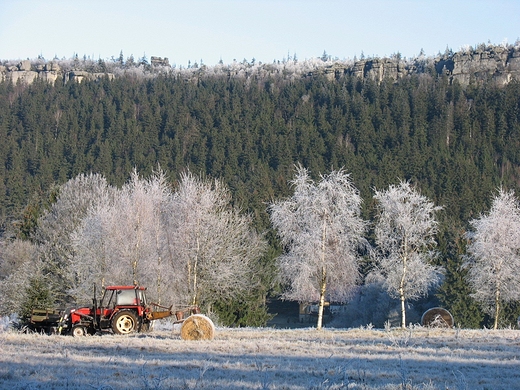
[402, 294]
[497, 307]
[321, 306]
[134, 263]
[323, 281]
[403, 312]
[195, 270]
[137, 250]
[159, 280]
[159, 262]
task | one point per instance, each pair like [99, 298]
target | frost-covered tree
[213, 247]
[321, 229]
[405, 237]
[19, 266]
[191, 246]
[92, 252]
[160, 194]
[122, 240]
[53, 233]
[137, 207]
[494, 255]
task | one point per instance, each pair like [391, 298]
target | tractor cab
[129, 296]
[122, 308]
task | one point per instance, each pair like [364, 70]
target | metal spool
[437, 317]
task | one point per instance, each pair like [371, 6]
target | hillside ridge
[497, 63]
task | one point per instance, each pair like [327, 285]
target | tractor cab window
[126, 298]
[142, 297]
[108, 299]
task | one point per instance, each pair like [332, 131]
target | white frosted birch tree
[494, 255]
[123, 240]
[321, 229]
[212, 245]
[92, 251]
[138, 233]
[405, 237]
[55, 227]
[160, 194]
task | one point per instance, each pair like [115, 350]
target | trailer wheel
[79, 331]
[124, 322]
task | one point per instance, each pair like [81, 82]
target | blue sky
[210, 30]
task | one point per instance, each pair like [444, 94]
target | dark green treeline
[457, 144]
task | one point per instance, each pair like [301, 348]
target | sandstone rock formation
[495, 63]
[80, 75]
[486, 63]
[158, 61]
[50, 71]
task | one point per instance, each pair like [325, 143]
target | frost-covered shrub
[6, 322]
[370, 305]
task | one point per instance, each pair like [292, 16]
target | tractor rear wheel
[197, 327]
[124, 322]
[79, 331]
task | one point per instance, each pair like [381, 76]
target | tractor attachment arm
[179, 314]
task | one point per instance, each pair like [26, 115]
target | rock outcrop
[159, 61]
[51, 71]
[25, 72]
[81, 75]
[486, 63]
[495, 63]
[378, 69]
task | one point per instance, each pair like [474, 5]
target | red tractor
[124, 310]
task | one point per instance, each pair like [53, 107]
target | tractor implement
[44, 320]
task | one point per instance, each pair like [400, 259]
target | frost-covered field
[265, 359]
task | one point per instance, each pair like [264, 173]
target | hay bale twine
[437, 317]
[197, 327]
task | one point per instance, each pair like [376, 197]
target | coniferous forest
[456, 144]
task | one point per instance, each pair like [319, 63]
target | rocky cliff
[485, 63]
[24, 71]
[495, 63]
[27, 72]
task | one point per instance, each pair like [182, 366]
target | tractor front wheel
[124, 322]
[79, 331]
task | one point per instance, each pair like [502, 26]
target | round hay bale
[197, 327]
[437, 317]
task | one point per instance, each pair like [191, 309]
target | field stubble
[266, 358]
